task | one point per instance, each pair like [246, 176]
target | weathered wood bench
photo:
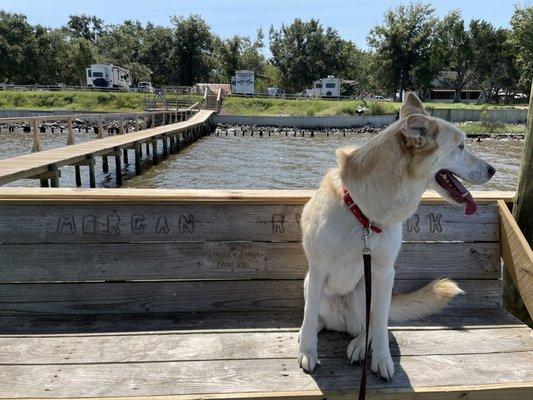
[198, 294]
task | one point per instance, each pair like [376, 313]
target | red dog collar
[356, 211]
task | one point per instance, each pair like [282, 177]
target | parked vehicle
[108, 76]
[275, 92]
[144, 86]
[243, 82]
[327, 87]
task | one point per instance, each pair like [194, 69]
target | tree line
[410, 49]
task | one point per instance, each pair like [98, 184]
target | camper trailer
[108, 76]
[327, 87]
[243, 82]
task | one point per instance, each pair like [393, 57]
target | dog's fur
[386, 178]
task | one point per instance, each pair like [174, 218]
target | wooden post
[44, 183]
[137, 124]
[144, 123]
[154, 150]
[101, 128]
[54, 181]
[121, 124]
[165, 146]
[126, 160]
[92, 177]
[137, 147]
[523, 214]
[118, 166]
[105, 165]
[70, 137]
[78, 175]
[153, 121]
[37, 146]
[172, 142]
[147, 148]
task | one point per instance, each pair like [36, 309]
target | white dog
[386, 179]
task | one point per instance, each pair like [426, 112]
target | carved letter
[88, 224]
[277, 223]
[113, 224]
[412, 224]
[66, 224]
[434, 222]
[186, 224]
[161, 225]
[138, 224]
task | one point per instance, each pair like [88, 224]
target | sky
[353, 19]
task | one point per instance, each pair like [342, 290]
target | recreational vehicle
[243, 82]
[108, 76]
[327, 87]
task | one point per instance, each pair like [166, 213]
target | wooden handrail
[517, 255]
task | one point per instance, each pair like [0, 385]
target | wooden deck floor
[253, 355]
[29, 165]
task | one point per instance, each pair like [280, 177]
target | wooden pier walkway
[45, 165]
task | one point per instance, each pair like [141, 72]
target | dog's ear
[417, 130]
[343, 155]
[412, 105]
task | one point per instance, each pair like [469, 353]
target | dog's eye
[462, 146]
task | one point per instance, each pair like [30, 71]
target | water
[228, 162]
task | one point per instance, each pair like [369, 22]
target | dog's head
[437, 153]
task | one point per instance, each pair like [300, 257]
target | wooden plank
[16, 194]
[82, 262]
[509, 370]
[252, 345]
[201, 322]
[277, 223]
[517, 256]
[185, 296]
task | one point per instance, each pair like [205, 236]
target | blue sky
[352, 18]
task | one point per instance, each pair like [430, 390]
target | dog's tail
[425, 301]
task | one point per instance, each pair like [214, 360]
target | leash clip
[366, 235]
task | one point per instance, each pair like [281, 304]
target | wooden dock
[197, 294]
[45, 165]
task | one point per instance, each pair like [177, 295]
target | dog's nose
[491, 171]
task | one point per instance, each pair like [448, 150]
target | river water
[228, 162]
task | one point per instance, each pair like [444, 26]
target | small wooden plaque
[233, 255]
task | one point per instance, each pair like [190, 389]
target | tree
[522, 40]
[402, 45]
[193, 49]
[157, 54]
[304, 52]
[16, 48]
[84, 26]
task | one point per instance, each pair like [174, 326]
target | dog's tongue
[471, 205]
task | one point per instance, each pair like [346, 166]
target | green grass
[493, 128]
[77, 100]
[318, 107]
[106, 101]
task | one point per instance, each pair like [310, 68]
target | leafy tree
[304, 52]
[16, 48]
[522, 40]
[193, 49]
[88, 27]
[82, 54]
[402, 43]
[157, 54]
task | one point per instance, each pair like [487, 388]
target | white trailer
[243, 82]
[108, 76]
[327, 87]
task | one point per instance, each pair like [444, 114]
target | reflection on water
[276, 162]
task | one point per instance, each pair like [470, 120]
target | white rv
[108, 76]
[327, 87]
[243, 82]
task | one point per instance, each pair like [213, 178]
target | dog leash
[367, 262]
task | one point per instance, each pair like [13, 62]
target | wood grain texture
[82, 262]
[216, 322]
[12, 195]
[168, 297]
[517, 256]
[250, 345]
[263, 375]
[277, 223]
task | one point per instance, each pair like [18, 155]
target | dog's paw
[307, 360]
[382, 363]
[356, 349]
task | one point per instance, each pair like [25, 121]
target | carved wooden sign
[234, 255]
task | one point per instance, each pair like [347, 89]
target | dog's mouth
[455, 189]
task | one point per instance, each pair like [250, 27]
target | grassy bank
[474, 128]
[318, 107]
[76, 100]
